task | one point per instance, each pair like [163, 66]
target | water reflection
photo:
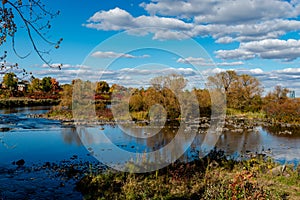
[115, 147]
[260, 140]
[240, 142]
[70, 136]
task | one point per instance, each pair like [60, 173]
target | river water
[42, 140]
[38, 141]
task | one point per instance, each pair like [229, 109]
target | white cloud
[205, 62]
[111, 54]
[115, 19]
[227, 21]
[118, 19]
[224, 11]
[286, 50]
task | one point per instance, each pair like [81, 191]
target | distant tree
[136, 102]
[46, 84]
[54, 84]
[223, 80]
[173, 82]
[243, 92]
[102, 87]
[278, 94]
[167, 90]
[66, 98]
[10, 81]
[35, 85]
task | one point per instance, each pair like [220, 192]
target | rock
[5, 129]
[276, 171]
[20, 162]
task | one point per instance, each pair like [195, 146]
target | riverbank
[26, 102]
[213, 177]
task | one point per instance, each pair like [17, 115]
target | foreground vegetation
[213, 177]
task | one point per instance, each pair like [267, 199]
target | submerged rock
[20, 162]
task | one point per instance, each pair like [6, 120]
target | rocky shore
[45, 180]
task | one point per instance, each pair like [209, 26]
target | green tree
[35, 85]
[10, 81]
[46, 84]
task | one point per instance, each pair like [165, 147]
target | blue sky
[250, 36]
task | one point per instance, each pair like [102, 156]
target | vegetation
[280, 108]
[213, 177]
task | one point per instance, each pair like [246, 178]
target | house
[22, 86]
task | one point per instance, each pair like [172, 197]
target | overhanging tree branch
[37, 13]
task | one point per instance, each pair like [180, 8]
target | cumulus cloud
[286, 50]
[227, 21]
[118, 19]
[205, 62]
[111, 54]
[220, 11]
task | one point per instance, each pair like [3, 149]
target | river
[38, 141]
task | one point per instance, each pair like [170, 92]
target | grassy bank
[209, 178]
[22, 102]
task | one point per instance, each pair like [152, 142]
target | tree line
[243, 93]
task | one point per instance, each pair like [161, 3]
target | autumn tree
[204, 100]
[243, 91]
[223, 80]
[278, 94]
[170, 89]
[54, 84]
[279, 107]
[174, 82]
[102, 87]
[66, 97]
[245, 94]
[136, 102]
